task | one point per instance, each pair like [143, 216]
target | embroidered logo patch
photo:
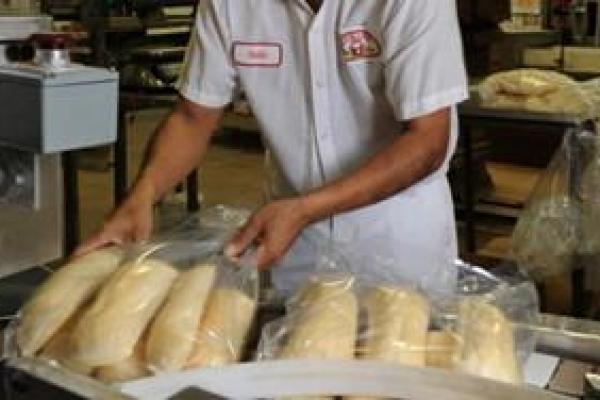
[257, 54]
[359, 44]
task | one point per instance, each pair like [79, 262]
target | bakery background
[50, 197]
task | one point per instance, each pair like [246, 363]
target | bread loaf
[57, 299]
[173, 332]
[325, 323]
[487, 346]
[223, 329]
[110, 328]
[398, 320]
[133, 367]
[58, 348]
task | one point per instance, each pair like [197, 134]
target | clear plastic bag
[537, 91]
[547, 233]
[168, 306]
[339, 315]
[561, 218]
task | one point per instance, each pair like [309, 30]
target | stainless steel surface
[571, 338]
[32, 233]
[55, 58]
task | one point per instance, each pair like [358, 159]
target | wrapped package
[173, 332]
[133, 367]
[398, 321]
[325, 322]
[108, 331]
[61, 295]
[537, 91]
[487, 346]
[223, 329]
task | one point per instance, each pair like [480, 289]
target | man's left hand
[272, 229]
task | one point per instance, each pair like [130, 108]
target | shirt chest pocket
[360, 55]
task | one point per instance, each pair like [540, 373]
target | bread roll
[133, 367]
[110, 328]
[488, 346]
[57, 299]
[173, 332]
[441, 349]
[58, 348]
[398, 320]
[325, 324]
[223, 329]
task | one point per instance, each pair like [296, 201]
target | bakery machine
[49, 107]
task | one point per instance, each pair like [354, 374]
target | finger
[267, 256]
[244, 238]
[95, 242]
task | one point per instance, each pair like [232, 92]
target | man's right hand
[130, 222]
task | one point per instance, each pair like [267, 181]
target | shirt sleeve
[424, 67]
[208, 76]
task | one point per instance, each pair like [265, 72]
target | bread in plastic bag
[59, 297]
[109, 329]
[325, 322]
[397, 326]
[133, 367]
[172, 334]
[535, 90]
[487, 342]
[58, 349]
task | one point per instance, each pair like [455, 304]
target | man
[356, 102]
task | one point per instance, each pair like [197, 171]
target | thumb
[243, 239]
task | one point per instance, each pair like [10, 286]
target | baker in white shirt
[356, 101]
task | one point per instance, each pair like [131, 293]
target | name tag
[256, 54]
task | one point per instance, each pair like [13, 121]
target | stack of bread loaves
[120, 318]
[342, 319]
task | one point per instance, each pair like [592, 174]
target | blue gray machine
[48, 106]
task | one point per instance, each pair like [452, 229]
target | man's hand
[272, 229]
[131, 222]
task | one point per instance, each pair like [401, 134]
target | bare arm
[408, 159]
[177, 147]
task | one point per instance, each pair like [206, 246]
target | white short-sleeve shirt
[329, 90]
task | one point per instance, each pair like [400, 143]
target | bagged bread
[325, 322]
[398, 320]
[173, 332]
[133, 367]
[223, 329]
[441, 349]
[535, 90]
[487, 342]
[58, 348]
[110, 328]
[57, 299]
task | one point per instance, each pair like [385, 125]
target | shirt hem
[202, 98]
[430, 104]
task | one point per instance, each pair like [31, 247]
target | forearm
[408, 159]
[177, 147]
